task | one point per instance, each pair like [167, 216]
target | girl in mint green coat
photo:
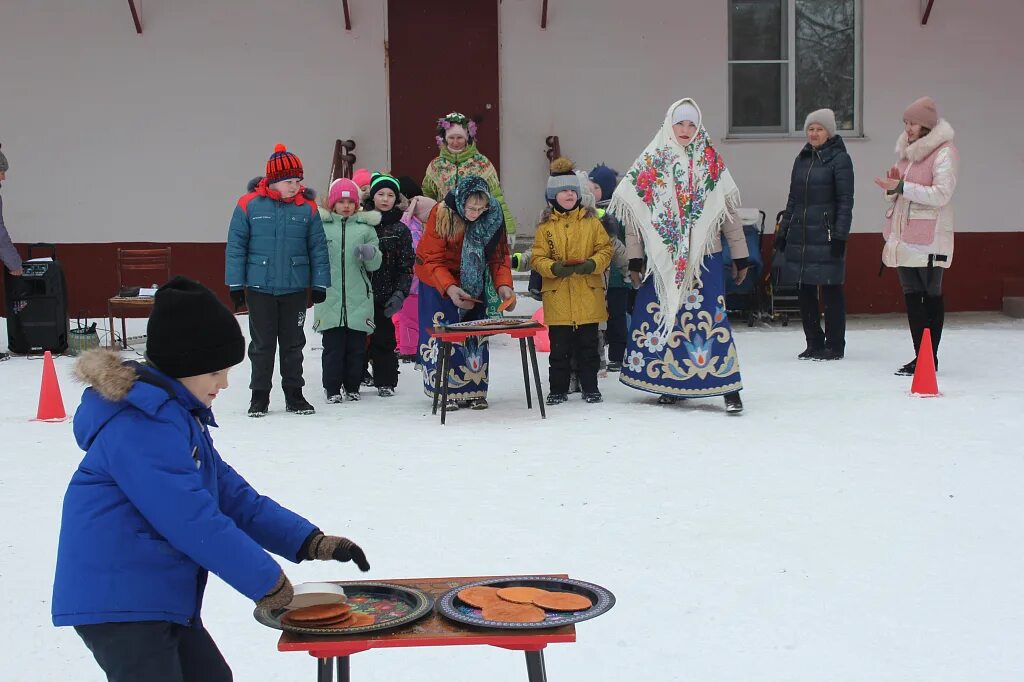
[346, 317]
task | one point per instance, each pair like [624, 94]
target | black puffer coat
[395, 271]
[819, 211]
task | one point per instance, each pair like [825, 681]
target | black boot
[936, 310]
[294, 402]
[260, 404]
[733, 403]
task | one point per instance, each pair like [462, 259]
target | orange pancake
[520, 595]
[563, 601]
[360, 620]
[513, 613]
[479, 597]
[321, 613]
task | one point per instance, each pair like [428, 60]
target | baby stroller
[746, 298]
[783, 300]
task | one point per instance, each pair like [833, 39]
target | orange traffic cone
[925, 384]
[51, 404]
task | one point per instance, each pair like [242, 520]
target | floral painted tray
[452, 607]
[391, 606]
[493, 323]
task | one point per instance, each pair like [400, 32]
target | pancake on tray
[562, 601]
[520, 595]
[513, 613]
[480, 596]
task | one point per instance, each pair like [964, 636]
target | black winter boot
[294, 402]
[260, 404]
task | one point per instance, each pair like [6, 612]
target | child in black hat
[152, 508]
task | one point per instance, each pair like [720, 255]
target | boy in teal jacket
[346, 317]
[276, 250]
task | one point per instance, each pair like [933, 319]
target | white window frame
[789, 128]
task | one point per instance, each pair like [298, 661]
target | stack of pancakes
[332, 616]
[521, 604]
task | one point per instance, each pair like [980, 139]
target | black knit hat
[409, 187]
[191, 332]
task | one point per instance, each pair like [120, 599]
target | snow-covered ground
[838, 530]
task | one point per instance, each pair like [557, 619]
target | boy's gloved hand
[280, 594]
[560, 269]
[516, 260]
[319, 295]
[331, 547]
[394, 303]
[237, 298]
[365, 252]
[586, 267]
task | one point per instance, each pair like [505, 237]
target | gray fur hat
[826, 118]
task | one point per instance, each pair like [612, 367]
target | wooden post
[344, 161]
[554, 148]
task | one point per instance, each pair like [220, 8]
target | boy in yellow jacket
[571, 251]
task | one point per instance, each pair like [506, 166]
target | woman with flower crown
[676, 201]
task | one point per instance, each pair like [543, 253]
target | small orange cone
[925, 384]
[51, 404]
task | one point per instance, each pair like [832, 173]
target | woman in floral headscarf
[675, 202]
[459, 158]
[463, 246]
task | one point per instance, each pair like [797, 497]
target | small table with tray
[522, 328]
[407, 617]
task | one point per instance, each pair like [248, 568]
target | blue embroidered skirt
[467, 375]
[698, 359]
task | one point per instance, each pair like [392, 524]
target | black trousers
[573, 348]
[618, 307]
[343, 360]
[382, 349]
[834, 336]
[276, 321]
[155, 651]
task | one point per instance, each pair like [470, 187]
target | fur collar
[103, 370]
[582, 211]
[371, 218]
[922, 149]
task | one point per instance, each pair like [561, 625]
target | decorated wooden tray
[567, 590]
[493, 323]
[390, 605]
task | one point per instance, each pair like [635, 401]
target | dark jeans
[927, 281]
[834, 336]
[618, 302]
[573, 348]
[343, 360]
[273, 321]
[382, 349]
[155, 651]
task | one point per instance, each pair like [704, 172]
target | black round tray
[392, 605]
[452, 607]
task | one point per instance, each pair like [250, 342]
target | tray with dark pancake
[525, 602]
[372, 607]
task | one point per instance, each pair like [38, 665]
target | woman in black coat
[813, 235]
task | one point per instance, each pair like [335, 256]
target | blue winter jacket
[152, 507]
[276, 247]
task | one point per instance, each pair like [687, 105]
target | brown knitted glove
[279, 596]
[328, 547]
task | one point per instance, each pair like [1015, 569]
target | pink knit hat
[361, 177]
[342, 188]
[922, 111]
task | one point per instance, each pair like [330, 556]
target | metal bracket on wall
[926, 11]
[348, 17]
[136, 16]
[544, 15]
[344, 161]
[554, 149]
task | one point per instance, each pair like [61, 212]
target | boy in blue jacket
[276, 250]
[152, 508]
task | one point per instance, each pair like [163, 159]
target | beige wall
[115, 136]
[603, 73]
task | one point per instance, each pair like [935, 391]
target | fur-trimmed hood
[922, 148]
[368, 217]
[106, 373]
[307, 192]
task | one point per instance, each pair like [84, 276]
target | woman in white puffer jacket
[919, 222]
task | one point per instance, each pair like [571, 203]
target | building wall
[118, 138]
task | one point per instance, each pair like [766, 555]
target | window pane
[826, 59]
[758, 93]
[756, 29]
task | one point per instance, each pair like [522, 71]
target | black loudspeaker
[37, 306]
